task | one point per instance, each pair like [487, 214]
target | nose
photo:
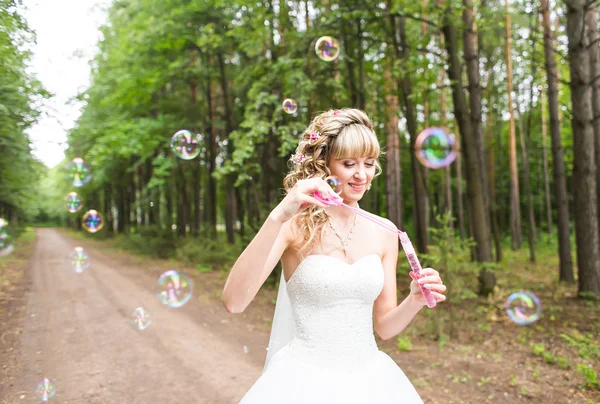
[360, 174]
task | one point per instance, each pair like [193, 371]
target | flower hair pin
[336, 112]
[298, 158]
[314, 136]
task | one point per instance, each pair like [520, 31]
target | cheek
[341, 172]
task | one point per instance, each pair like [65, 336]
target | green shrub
[205, 253]
[153, 241]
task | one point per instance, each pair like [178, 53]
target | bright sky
[67, 33]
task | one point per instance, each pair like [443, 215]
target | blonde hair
[345, 133]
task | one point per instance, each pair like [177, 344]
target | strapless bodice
[332, 305]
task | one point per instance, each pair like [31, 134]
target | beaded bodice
[332, 304]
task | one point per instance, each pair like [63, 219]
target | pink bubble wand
[409, 250]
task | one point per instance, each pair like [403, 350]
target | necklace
[343, 240]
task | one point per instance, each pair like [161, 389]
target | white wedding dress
[333, 357]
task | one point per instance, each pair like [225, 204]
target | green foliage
[586, 345]
[152, 241]
[404, 343]
[540, 350]
[21, 96]
[589, 375]
[206, 254]
[451, 257]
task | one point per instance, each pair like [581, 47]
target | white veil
[283, 327]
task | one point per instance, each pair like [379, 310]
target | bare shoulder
[386, 236]
[383, 219]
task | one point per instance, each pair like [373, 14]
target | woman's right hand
[300, 197]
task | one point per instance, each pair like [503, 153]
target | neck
[342, 214]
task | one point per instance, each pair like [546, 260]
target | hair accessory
[336, 112]
[298, 158]
[314, 136]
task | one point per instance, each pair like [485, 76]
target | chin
[355, 196]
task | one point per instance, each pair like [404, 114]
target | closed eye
[348, 165]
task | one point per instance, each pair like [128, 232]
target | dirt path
[76, 331]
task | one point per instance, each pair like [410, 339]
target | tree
[475, 191]
[558, 161]
[21, 96]
[593, 34]
[393, 171]
[405, 84]
[515, 207]
[584, 169]
[547, 198]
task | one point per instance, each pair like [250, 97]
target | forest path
[76, 330]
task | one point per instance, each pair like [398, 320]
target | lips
[357, 187]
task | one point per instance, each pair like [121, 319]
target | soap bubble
[79, 172]
[289, 105]
[6, 239]
[141, 318]
[523, 307]
[45, 390]
[92, 221]
[185, 144]
[335, 183]
[73, 202]
[327, 48]
[80, 261]
[435, 148]
[174, 289]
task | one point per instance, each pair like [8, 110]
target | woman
[338, 281]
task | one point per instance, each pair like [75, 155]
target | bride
[338, 282]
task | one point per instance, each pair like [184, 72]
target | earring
[369, 186]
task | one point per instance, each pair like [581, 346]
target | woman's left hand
[430, 279]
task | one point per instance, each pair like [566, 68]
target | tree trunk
[545, 162]
[558, 161]
[348, 49]
[491, 167]
[241, 211]
[471, 56]
[444, 122]
[593, 33]
[211, 137]
[526, 185]
[362, 102]
[107, 208]
[393, 173]
[408, 106]
[584, 164]
[515, 208]
[426, 208]
[182, 200]
[459, 186]
[478, 213]
[230, 203]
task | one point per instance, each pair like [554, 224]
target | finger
[317, 202]
[438, 296]
[311, 200]
[430, 279]
[430, 271]
[435, 287]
